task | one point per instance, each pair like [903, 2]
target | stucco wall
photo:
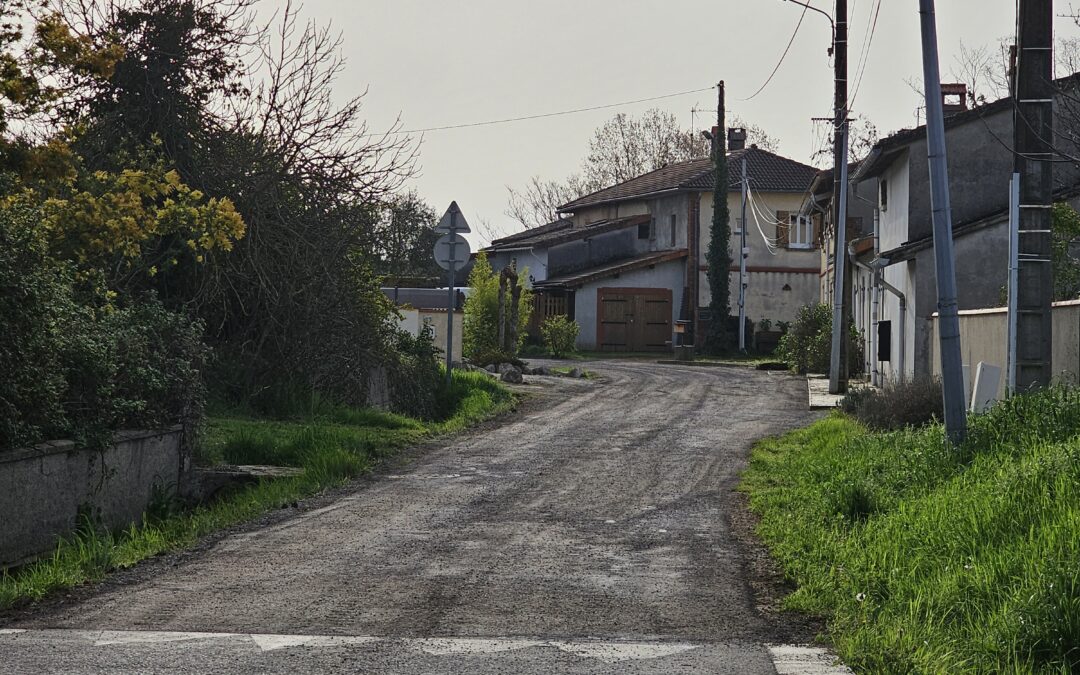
[532, 260]
[984, 335]
[413, 319]
[44, 490]
[665, 275]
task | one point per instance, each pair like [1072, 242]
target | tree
[481, 329]
[1065, 237]
[620, 149]
[717, 338]
[404, 237]
[862, 136]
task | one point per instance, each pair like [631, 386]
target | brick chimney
[736, 139]
[954, 98]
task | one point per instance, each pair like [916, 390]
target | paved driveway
[593, 533]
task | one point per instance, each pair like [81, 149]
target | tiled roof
[611, 269]
[562, 231]
[768, 172]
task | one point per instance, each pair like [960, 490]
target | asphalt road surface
[597, 530]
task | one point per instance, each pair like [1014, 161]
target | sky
[439, 63]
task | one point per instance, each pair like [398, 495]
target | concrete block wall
[43, 490]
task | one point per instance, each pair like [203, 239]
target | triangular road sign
[453, 220]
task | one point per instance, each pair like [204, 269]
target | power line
[782, 56]
[865, 57]
[551, 114]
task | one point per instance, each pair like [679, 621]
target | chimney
[954, 98]
[736, 139]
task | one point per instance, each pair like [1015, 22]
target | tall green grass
[927, 557]
[331, 447]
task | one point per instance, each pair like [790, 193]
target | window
[738, 226]
[674, 223]
[883, 189]
[644, 230]
[800, 231]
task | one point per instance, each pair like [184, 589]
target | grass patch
[332, 448]
[926, 557]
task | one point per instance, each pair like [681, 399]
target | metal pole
[1014, 273]
[450, 300]
[952, 376]
[837, 382]
[742, 266]
[838, 358]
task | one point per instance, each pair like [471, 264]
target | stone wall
[44, 490]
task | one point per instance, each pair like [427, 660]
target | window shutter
[784, 219]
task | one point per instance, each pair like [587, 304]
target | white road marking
[268, 643]
[801, 660]
[606, 651]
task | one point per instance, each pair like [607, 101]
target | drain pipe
[880, 280]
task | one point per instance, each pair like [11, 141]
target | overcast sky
[438, 63]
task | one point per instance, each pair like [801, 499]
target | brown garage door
[634, 319]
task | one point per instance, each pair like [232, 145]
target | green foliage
[79, 368]
[1065, 226]
[719, 338]
[338, 445]
[926, 557]
[481, 321]
[807, 345]
[897, 406]
[560, 335]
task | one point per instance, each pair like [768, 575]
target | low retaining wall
[984, 337]
[44, 489]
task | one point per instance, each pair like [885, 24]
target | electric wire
[871, 25]
[783, 56]
[550, 114]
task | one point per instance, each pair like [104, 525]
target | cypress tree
[718, 257]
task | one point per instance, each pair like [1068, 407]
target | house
[627, 262]
[894, 262]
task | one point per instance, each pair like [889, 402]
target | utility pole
[952, 375]
[742, 265]
[1033, 131]
[838, 367]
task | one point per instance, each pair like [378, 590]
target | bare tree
[756, 135]
[862, 135]
[537, 203]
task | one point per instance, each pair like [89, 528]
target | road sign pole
[450, 302]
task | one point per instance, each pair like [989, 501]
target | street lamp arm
[821, 12]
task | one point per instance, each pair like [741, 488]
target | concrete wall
[534, 261]
[984, 335]
[43, 490]
[413, 319]
[665, 275]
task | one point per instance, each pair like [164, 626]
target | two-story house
[628, 261]
[897, 271]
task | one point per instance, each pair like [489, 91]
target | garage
[634, 319]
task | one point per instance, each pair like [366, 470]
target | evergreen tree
[717, 330]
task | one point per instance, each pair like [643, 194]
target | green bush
[897, 406]
[807, 345]
[481, 321]
[77, 367]
[560, 335]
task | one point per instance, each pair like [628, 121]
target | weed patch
[929, 558]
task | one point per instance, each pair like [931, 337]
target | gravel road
[597, 530]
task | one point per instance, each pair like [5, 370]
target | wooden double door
[634, 319]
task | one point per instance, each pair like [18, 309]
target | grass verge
[925, 557]
[332, 448]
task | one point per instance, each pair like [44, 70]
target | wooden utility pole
[838, 371]
[1033, 130]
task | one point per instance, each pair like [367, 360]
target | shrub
[898, 406]
[807, 345]
[560, 335]
[78, 367]
[481, 320]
